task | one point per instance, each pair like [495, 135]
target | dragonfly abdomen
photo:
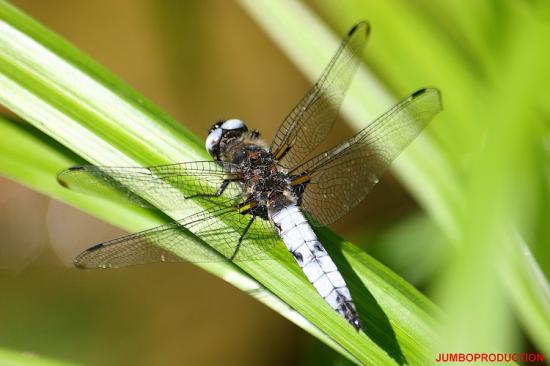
[312, 257]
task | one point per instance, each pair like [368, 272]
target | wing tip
[363, 24]
[79, 261]
[434, 91]
[60, 175]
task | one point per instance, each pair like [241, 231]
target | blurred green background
[205, 60]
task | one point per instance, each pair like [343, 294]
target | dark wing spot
[95, 247]
[418, 92]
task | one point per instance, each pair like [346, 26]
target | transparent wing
[309, 123]
[162, 186]
[220, 228]
[341, 177]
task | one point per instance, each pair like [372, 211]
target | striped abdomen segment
[312, 257]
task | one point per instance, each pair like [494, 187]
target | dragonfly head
[220, 133]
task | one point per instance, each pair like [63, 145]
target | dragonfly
[253, 195]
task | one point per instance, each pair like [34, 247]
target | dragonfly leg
[242, 238]
[218, 193]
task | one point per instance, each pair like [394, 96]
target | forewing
[163, 186]
[184, 241]
[309, 123]
[340, 178]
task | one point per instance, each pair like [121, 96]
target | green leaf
[89, 111]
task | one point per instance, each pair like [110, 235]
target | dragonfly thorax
[263, 181]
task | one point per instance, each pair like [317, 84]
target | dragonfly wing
[309, 123]
[340, 178]
[162, 186]
[208, 236]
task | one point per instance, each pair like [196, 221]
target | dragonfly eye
[222, 132]
[213, 140]
[234, 124]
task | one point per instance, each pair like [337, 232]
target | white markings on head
[233, 124]
[213, 139]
